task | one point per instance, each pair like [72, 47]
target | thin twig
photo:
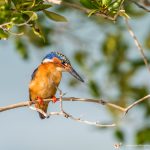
[140, 6]
[39, 110]
[81, 120]
[137, 102]
[16, 34]
[2, 26]
[137, 43]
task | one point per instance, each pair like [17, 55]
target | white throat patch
[47, 60]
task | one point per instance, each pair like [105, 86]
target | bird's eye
[63, 62]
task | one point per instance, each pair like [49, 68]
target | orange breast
[45, 82]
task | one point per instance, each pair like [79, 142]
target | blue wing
[33, 74]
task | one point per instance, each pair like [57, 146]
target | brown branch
[136, 102]
[137, 43]
[71, 99]
[75, 99]
[140, 6]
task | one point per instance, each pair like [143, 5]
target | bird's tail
[44, 108]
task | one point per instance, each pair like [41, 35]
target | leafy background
[103, 53]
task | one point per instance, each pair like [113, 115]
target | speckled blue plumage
[57, 55]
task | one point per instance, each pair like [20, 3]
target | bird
[46, 78]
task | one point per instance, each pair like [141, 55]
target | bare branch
[137, 43]
[13, 106]
[71, 99]
[137, 102]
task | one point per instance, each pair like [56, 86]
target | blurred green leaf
[22, 4]
[94, 88]
[33, 16]
[96, 65]
[21, 48]
[89, 4]
[119, 135]
[80, 57]
[54, 16]
[73, 82]
[39, 42]
[2, 2]
[114, 47]
[3, 35]
[147, 41]
[40, 7]
[92, 12]
[106, 2]
[143, 136]
[38, 32]
[115, 5]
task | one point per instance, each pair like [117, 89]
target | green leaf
[3, 35]
[147, 41]
[33, 16]
[80, 57]
[40, 7]
[143, 136]
[23, 4]
[92, 12]
[73, 82]
[21, 48]
[38, 32]
[114, 6]
[106, 2]
[89, 4]
[120, 135]
[94, 88]
[2, 2]
[54, 16]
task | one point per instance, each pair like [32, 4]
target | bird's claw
[40, 100]
[54, 99]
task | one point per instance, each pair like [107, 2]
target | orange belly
[45, 82]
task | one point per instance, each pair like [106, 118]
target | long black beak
[75, 74]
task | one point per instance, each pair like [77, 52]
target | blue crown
[58, 55]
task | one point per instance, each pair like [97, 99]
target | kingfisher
[46, 78]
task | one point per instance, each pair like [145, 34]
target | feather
[33, 74]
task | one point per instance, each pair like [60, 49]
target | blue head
[62, 63]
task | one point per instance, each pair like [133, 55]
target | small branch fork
[75, 99]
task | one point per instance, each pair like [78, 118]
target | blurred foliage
[108, 7]
[94, 88]
[143, 136]
[18, 13]
[26, 21]
[21, 47]
[147, 41]
[120, 135]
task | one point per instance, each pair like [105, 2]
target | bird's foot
[54, 99]
[40, 100]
